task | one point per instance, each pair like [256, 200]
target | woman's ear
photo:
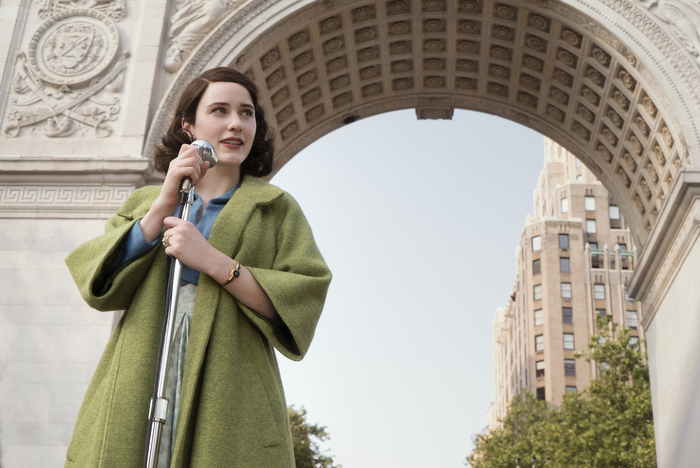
[184, 124]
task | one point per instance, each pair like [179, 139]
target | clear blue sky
[418, 220]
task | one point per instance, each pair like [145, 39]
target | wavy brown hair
[259, 160]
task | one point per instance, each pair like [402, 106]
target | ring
[165, 241]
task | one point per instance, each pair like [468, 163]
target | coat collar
[258, 191]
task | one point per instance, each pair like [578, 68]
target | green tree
[609, 425]
[306, 439]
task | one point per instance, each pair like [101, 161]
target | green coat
[232, 408]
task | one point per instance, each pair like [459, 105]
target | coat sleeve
[297, 283]
[90, 262]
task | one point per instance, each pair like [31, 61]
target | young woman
[253, 280]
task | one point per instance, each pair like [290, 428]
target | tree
[609, 425]
[306, 440]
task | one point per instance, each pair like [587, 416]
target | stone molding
[67, 187]
[669, 244]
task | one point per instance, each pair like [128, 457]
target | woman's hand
[187, 164]
[187, 244]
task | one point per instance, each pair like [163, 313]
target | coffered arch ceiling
[324, 64]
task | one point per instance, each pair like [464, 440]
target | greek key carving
[64, 196]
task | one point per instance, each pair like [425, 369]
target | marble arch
[617, 82]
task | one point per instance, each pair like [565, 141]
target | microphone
[206, 151]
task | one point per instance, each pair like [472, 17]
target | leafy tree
[609, 425]
[306, 439]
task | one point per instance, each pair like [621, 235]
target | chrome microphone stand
[158, 410]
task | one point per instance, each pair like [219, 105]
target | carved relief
[400, 47]
[660, 158]
[434, 82]
[114, 9]
[581, 131]
[533, 63]
[499, 71]
[465, 83]
[620, 99]
[636, 145]
[601, 56]
[623, 177]
[501, 53]
[539, 22]
[275, 78]
[503, 33]
[666, 135]
[340, 82]
[434, 45]
[342, 99]
[527, 99]
[310, 96]
[652, 173]
[280, 96]
[629, 82]
[434, 5]
[642, 125]
[614, 117]
[571, 37]
[333, 45]
[584, 112]
[603, 151]
[505, 12]
[562, 77]
[190, 24]
[314, 113]
[402, 66]
[330, 25]
[289, 130]
[399, 28]
[469, 27]
[402, 84]
[595, 76]
[555, 113]
[269, 59]
[365, 34]
[567, 58]
[307, 78]
[683, 17]
[363, 13]
[467, 65]
[530, 81]
[372, 90]
[303, 59]
[284, 114]
[470, 6]
[370, 53]
[434, 26]
[370, 72]
[337, 64]
[468, 47]
[68, 81]
[397, 7]
[559, 96]
[649, 106]
[497, 89]
[630, 162]
[536, 43]
[609, 136]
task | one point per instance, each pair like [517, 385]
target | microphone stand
[158, 409]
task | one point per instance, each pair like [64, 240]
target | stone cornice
[67, 187]
[73, 170]
[665, 251]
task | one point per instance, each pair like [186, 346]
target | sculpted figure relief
[683, 16]
[193, 20]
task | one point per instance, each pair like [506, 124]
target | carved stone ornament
[190, 24]
[115, 9]
[73, 47]
[682, 17]
[68, 81]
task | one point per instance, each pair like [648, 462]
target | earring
[189, 134]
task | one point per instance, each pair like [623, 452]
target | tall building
[574, 260]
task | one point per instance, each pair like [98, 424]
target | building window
[602, 313]
[578, 162]
[590, 226]
[536, 243]
[570, 389]
[627, 298]
[539, 369]
[563, 241]
[589, 203]
[564, 264]
[632, 319]
[579, 178]
[564, 205]
[567, 315]
[634, 342]
[536, 269]
[599, 291]
[537, 292]
[566, 290]
[596, 260]
[623, 247]
[540, 393]
[614, 211]
[570, 367]
[539, 343]
[539, 317]
[568, 341]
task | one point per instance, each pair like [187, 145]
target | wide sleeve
[297, 283]
[90, 262]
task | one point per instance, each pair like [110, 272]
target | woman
[253, 279]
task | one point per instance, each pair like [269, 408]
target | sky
[418, 221]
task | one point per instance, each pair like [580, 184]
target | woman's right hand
[187, 164]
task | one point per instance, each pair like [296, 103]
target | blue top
[135, 244]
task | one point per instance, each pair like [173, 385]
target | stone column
[79, 84]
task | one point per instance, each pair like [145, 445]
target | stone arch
[561, 68]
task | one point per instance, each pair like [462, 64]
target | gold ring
[166, 242]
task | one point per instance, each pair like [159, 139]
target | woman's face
[226, 119]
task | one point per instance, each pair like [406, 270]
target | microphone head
[206, 151]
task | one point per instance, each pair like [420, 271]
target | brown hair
[259, 161]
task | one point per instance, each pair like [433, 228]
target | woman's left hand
[182, 240]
